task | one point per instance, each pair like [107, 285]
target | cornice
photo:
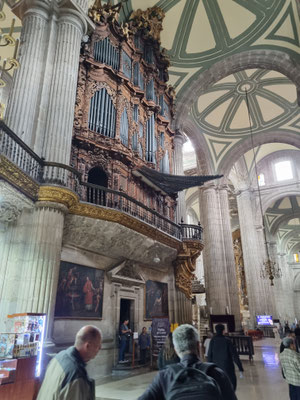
[19, 179]
[57, 195]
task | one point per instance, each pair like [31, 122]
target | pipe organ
[124, 106]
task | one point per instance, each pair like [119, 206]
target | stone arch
[271, 60]
[273, 195]
[204, 162]
[282, 220]
[259, 139]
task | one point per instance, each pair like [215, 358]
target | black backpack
[193, 383]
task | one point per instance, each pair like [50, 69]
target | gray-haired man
[290, 363]
[187, 346]
[66, 377]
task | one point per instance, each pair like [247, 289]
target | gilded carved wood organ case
[124, 107]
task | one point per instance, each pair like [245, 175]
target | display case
[28, 331]
[21, 349]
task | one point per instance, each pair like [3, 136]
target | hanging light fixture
[269, 270]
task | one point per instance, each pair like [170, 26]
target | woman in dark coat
[167, 354]
[223, 354]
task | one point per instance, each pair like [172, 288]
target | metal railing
[44, 172]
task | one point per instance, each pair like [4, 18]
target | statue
[149, 22]
[101, 13]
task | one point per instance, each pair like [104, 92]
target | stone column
[219, 267]
[58, 134]
[284, 297]
[32, 265]
[231, 278]
[179, 140]
[11, 206]
[23, 102]
[257, 297]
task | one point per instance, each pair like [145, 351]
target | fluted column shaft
[23, 102]
[257, 296]
[57, 144]
[219, 268]
[234, 306]
[33, 262]
[179, 140]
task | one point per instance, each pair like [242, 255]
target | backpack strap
[205, 367]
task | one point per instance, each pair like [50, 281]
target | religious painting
[79, 292]
[156, 300]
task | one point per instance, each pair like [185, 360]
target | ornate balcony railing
[44, 172]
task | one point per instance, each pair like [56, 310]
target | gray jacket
[66, 378]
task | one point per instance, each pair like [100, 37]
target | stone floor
[262, 379]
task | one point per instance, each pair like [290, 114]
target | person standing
[290, 364]
[206, 344]
[144, 343]
[223, 353]
[66, 377]
[125, 333]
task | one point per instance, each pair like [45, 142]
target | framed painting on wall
[79, 292]
[156, 300]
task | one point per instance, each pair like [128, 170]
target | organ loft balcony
[102, 211]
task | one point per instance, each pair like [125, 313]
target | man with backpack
[190, 379]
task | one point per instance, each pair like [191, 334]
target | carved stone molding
[12, 174]
[57, 195]
[185, 266]
[12, 203]
[126, 273]
[91, 211]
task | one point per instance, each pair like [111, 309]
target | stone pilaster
[179, 140]
[23, 102]
[58, 136]
[253, 260]
[219, 268]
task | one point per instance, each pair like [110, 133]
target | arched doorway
[97, 177]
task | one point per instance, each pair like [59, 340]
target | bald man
[66, 377]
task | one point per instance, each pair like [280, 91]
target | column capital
[12, 203]
[23, 7]
[179, 137]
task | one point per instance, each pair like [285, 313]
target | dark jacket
[66, 378]
[144, 341]
[162, 381]
[223, 353]
[162, 362]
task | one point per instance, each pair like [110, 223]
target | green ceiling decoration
[286, 24]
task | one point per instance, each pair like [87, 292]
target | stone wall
[65, 329]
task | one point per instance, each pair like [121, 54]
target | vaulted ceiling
[283, 220]
[209, 43]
